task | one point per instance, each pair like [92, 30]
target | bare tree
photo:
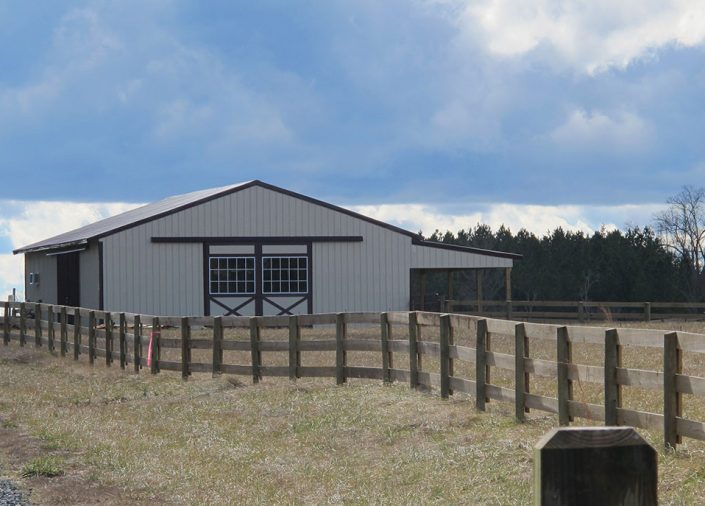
[682, 227]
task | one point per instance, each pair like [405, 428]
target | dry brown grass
[226, 441]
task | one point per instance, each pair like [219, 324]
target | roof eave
[50, 247]
[468, 249]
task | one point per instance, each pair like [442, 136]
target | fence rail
[583, 311]
[136, 339]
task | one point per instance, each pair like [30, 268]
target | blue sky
[589, 113]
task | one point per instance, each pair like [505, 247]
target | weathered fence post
[520, 375]
[76, 333]
[564, 356]
[481, 365]
[608, 466]
[185, 348]
[509, 309]
[385, 329]
[294, 353]
[672, 399]
[647, 311]
[613, 391]
[23, 324]
[413, 350]
[50, 328]
[122, 340]
[64, 332]
[108, 321]
[37, 325]
[340, 354]
[581, 311]
[255, 349]
[445, 358]
[6, 324]
[156, 342]
[91, 337]
[137, 344]
[217, 364]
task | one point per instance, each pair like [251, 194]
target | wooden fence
[124, 337]
[582, 311]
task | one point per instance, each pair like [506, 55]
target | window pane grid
[284, 275]
[232, 275]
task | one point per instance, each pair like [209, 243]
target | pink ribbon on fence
[149, 350]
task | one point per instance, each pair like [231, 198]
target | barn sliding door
[257, 279]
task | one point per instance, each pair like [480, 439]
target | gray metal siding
[425, 257]
[89, 277]
[141, 276]
[46, 267]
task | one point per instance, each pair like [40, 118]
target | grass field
[129, 439]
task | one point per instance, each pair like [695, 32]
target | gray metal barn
[245, 249]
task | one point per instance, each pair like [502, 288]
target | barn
[245, 249]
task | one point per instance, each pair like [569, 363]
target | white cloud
[622, 131]
[590, 36]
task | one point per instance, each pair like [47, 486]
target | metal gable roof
[170, 205]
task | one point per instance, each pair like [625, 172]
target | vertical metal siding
[46, 291]
[89, 276]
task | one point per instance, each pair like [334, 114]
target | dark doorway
[67, 279]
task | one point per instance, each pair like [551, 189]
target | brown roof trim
[467, 249]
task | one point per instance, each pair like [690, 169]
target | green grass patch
[48, 466]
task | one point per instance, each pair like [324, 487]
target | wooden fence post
[340, 354]
[564, 356]
[520, 375]
[50, 328]
[108, 321]
[23, 324]
[63, 332]
[91, 337]
[613, 391]
[122, 340]
[76, 333]
[509, 309]
[137, 344]
[294, 353]
[647, 311]
[385, 331]
[581, 311]
[6, 324]
[413, 350]
[672, 399]
[185, 348]
[37, 325]
[156, 342]
[481, 365]
[218, 346]
[255, 349]
[445, 358]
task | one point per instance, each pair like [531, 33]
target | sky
[430, 114]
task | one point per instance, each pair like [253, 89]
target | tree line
[663, 263]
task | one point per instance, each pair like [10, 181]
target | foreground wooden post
[185, 348]
[481, 365]
[445, 358]
[63, 332]
[218, 346]
[137, 344]
[107, 319]
[122, 340]
[613, 391]
[385, 331]
[255, 349]
[608, 466]
[6, 324]
[91, 337]
[23, 323]
[672, 399]
[340, 354]
[413, 350]
[76, 333]
[156, 342]
[520, 376]
[294, 353]
[647, 311]
[37, 325]
[50, 328]
[564, 355]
